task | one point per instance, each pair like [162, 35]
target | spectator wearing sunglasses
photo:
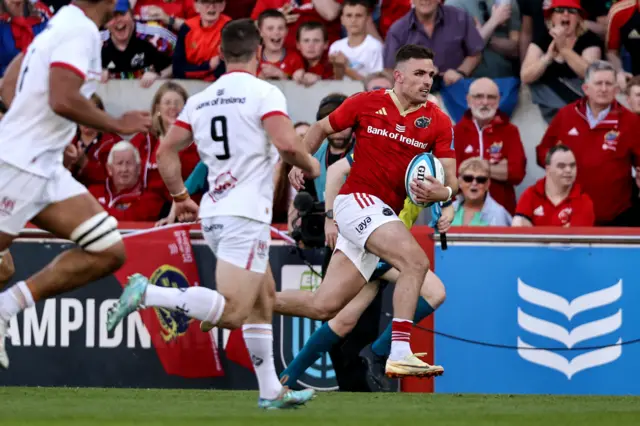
[556, 61]
[474, 205]
[556, 199]
[484, 131]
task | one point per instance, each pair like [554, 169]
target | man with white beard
[486, 132]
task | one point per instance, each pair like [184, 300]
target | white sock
[14, 300]
[196, 302]
[259, 341]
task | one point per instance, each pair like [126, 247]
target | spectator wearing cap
[633, 94]
[474, 205]
[125, 56]
[122, 195]
[623, 32]
[533, 20]
[197, 54]
[450, 32]
[20, 22]
[484, 131]
[498, 22]
[556, 199]
[556, 61]
[86, 155]
[603, 136]
[359, 54]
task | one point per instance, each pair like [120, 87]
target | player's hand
[444, 223]
[314, 166]
[134, 122]
[171, 217]
[330, 232]
[148, 78]
[451, 76]
[429, 191]
[186, 211]
[296, 178]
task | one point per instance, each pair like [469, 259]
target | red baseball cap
[554, 4]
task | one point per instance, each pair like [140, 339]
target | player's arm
[317, 133]
[283, 136]
[450, 176]
[178, 138]
[336, 174]
[10, 79]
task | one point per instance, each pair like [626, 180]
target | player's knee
[434, 291]
[342, 324]
[99, 234]
[324, 310]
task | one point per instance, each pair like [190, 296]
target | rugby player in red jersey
[391, 127]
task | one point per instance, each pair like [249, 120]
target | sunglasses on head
[571, 10]
[480, 179]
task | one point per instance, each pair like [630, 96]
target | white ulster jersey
[32, 136]
[226, 122]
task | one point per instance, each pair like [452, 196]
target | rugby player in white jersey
[48, 91]
[228, 121]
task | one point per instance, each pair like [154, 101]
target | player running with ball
[391, 128]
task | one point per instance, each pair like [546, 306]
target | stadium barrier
[550, 311]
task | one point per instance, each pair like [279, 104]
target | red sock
[401, 330]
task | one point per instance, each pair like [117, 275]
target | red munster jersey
[290, 62]
[575, 210]
[388, 138]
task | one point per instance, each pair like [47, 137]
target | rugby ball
[422, 165]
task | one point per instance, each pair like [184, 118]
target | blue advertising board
[569, 310]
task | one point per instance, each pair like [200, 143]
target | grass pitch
[122, 407]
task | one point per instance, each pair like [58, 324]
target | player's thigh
[241, 247]
[72, 213]
[348, 316]
[393, 242]
[342, 281]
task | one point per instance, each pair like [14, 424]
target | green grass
[70, 407]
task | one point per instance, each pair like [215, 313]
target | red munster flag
[165, 257]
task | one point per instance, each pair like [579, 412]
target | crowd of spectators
[574, 55]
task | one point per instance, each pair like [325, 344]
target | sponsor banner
[569, 310]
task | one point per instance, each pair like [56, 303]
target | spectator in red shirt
[165, 107]
[390, 12]
[556, 199]
[633, 94]
[122, 195]
[86, 155]
[276, 62]
[603, 136]
[299, 12]
[197, 53]
[312, 44]
[486, 132]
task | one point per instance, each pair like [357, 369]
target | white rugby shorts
[357, 216]
[238, 240]
[23, 195]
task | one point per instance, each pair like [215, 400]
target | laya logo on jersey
[397, 136]
[223, 183]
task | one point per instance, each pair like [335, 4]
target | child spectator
[312, 44]
[125, 56]
[86, 155]
[358, 54]
[276, 62]
[633, 94]
[197, 54]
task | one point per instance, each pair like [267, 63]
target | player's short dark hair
[413, 51]
[240, 41]
[329, 103]
[270, 13]
[556, 148]
[368, 4]
[310, 26]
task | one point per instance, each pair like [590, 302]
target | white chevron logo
[569, 339]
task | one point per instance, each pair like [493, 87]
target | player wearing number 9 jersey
[228, 121]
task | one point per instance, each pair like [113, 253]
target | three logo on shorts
[387, 211]
[363, 225]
